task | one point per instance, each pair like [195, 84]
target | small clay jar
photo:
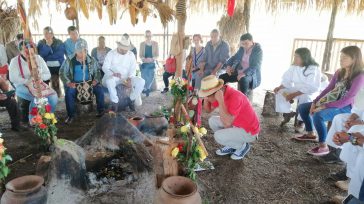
[70, 13]
[178, 190]
[135, 120]
[25, 190]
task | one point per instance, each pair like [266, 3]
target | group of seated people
[71, 62]
[340, 102]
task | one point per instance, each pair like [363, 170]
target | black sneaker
[338, 176]
[333, 157]
[165, 90]
[69, 120]
[147, 92]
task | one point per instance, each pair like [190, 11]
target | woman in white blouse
[301, 81]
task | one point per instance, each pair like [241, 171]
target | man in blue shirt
[72, 72]
[71, 41]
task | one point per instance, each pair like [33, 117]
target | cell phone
[352, 200]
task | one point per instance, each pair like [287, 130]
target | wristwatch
[353, 139]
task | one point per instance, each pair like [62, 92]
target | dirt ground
[277, 169]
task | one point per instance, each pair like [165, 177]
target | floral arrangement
[44, 121]
[4, 158]
[189, 153]
[179, 88]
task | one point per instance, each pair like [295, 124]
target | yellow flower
[1, 140]
[53, 116]
[54, 121]
[184, 129]
[202, 153]
[172, 81]
[174, 152]
[203, 131]
[48, 116]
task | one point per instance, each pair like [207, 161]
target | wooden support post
[330, 39]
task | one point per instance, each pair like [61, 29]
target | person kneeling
[81, 68]
[120, 68]
[237, 124]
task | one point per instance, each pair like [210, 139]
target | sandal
[306, 137]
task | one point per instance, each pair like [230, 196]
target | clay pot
[70, 13]
[178, 190]
[135, 120]
[25, 189]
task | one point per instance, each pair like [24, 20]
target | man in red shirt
[237, 124]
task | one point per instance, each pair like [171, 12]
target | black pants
[166, 76]
[244, 83]
[12, 108]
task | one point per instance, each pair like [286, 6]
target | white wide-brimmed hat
[124, 43]
[359, 99]
[209, 85]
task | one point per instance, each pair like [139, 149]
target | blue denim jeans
[361, 193]
[23, 92]
[70, 98]
[318, 119]
[148, 71]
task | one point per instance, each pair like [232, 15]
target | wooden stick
[20, 160]
[197, 134]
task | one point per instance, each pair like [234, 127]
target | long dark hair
[307, 59]
[354, 53]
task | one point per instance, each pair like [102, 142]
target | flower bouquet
[189, 153]
[4, 159]
[44, 122]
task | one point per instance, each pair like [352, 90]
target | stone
[123, 94]
[67, 175]
[269, 106]
[154, 125]
[116, 134]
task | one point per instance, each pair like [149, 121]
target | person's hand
[71, 85]
[290, 96]
[49, 42]
[340, 138]
[200, 73]
[229, 70]
[128, 83]
[277, 89]
[240, 76]
[213, 72]
[3, 97]
[219, 96]
[350, 123]
[94, 83]
[312, 109]
[117, 75]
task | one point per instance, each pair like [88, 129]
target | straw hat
[124, 43]
[359, 99]
[209, 85]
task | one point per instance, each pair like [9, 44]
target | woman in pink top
[237, 124]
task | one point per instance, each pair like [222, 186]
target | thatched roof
[142, 9]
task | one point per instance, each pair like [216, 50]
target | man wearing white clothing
[120, 68]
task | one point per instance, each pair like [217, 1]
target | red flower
[42, 126]
[34, 111]
[48, 108]
[180, 147]
[190, 88]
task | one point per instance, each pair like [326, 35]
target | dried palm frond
[231, 28]
[9, 22]
[112, 11]
[165, 12]
[84, 7]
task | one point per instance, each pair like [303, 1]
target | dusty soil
[277, 169]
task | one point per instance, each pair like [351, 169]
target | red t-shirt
[238, 105]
